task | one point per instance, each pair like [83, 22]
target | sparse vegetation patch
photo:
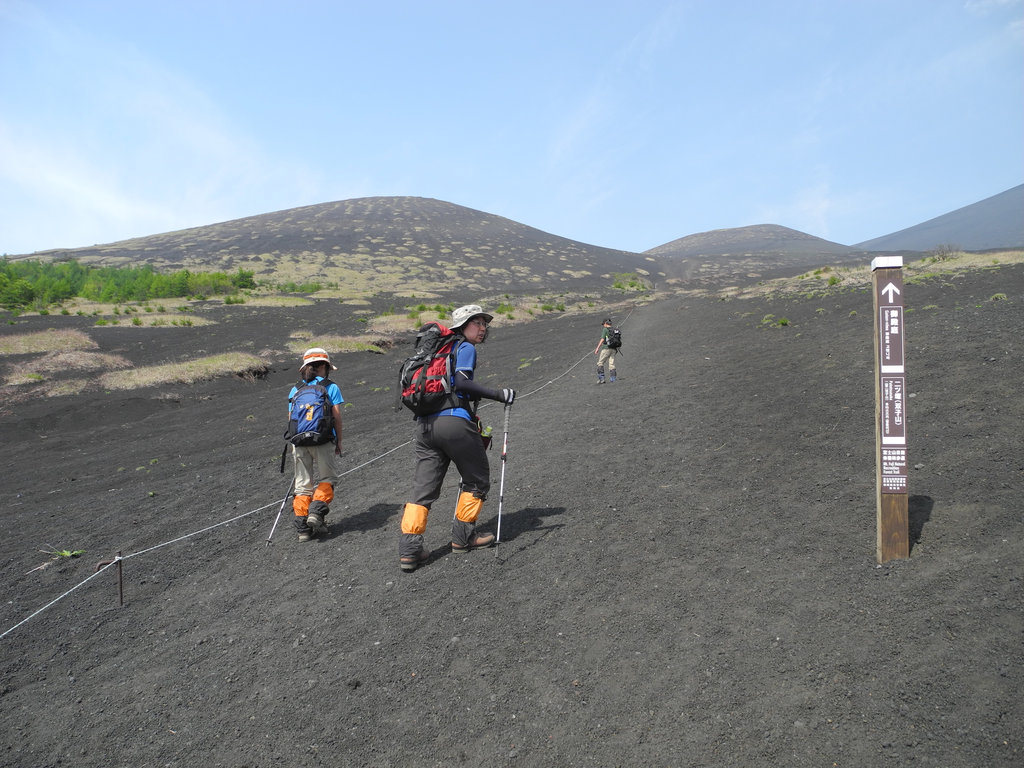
[188, 372]
[823, 280]
[45, 341]
[42, 368]
[339, 344]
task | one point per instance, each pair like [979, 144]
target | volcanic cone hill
[763, 250]
[397, 245]
[993, 223]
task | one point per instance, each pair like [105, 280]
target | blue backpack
[310, 419]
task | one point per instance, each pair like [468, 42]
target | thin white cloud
[1014, 26]
[602, 128]
[990, 6]
[62, 199]
[646, 46]
[1015, 29]
[808, 210]
[121, 144]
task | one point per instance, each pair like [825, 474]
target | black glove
[506, 396]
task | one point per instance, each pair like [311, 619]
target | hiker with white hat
[606, 350]
[452, 434]
[314, 411]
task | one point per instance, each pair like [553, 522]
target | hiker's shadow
[919, 512]
[525, 520]
[530, 519]
[376, 516]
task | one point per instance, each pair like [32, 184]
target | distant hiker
[452, 434]
[606, 350]
[314, 429]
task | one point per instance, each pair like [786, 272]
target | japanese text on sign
[891, 339]
[894, 425]
[894, 470]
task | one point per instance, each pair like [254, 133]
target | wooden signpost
[892, 524]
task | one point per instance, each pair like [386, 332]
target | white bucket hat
[316, 355]
[463, 315]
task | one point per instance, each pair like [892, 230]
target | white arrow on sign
[892, 290]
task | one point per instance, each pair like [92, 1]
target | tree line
[35, 284]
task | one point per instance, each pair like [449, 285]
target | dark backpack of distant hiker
[614, 340]
[425, 379]
[310, 415]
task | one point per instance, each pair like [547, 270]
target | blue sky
[622, 124]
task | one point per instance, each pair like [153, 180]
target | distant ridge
[757, 239]
[754, 252]
[992, 223]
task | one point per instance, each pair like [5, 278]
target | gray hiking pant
[441, 440]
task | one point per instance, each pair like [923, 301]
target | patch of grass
[339, 344]
[77, 360]
[390, 323]
[55, 555]
[229, 364]
[48, 341]
[279, 301]
[628, 281]
[23, 377]
[770, 321]
[66, 387]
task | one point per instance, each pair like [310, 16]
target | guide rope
[56, 599]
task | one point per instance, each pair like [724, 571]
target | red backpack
[425, 378]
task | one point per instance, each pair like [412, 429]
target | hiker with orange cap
[314, 409]
[452, 434]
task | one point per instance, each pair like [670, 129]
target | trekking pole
[276, 519]
[501, 487]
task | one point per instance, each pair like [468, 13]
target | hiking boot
[305, 532]
[315, 522]
[410, 563]
[478, 541]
